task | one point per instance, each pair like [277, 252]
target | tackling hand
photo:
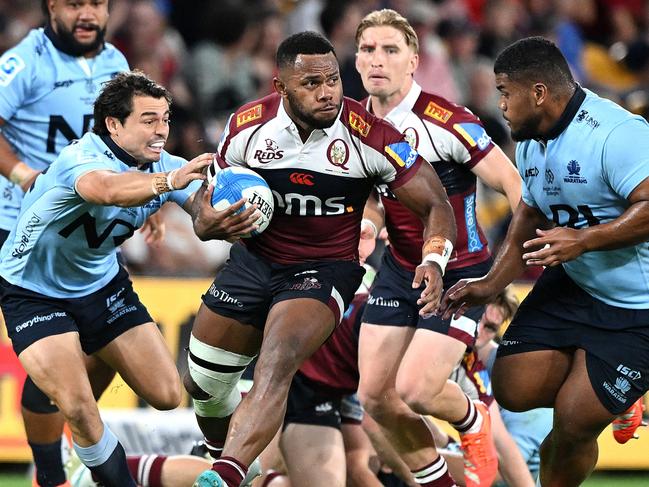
[557, 245]
[465, 294]
[211, 224]
[192, 171]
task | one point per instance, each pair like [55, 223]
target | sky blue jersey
[582, 176]
[46, 99]
[64, 247]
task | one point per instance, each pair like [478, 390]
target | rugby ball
[233, 183]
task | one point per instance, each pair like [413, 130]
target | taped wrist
[20, 173]
[160, 184]
[437, 249]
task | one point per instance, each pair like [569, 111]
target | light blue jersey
[583, 176]
[46, 100]
[64, 247]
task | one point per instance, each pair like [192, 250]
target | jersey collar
[124, 156]
[398, 114]
[568, 114]
[56, 41]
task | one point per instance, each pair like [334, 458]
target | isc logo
[310, 205]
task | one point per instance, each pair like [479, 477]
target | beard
[527, 130]
[309, 119]
[73, 46]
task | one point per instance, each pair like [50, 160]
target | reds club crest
[271, 153]
[338, 154]
[412, 137]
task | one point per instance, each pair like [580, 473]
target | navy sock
[49, 467]
[107, 461]
[114, 472]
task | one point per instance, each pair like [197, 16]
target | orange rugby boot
[626, 424]
[480, 457]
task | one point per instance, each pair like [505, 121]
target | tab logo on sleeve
[474, 134]
[10, 65]
[433, 110]
[402, 153]
[249, 115]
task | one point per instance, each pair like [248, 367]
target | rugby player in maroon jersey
[282, 293]
[417, 349]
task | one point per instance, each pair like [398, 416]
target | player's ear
[279, 86]
[111, 125]
[540, 93]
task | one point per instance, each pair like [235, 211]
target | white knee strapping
[221, 386]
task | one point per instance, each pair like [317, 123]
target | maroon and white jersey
[335, 363]
[453, 140]
[473, 378]
[320, 186]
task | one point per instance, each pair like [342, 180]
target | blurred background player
[292, 284]
[517, 436]
[418, 353]
[46, 99]
[584, 324]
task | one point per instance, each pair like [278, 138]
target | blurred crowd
[216, 55]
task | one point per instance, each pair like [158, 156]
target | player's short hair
[307, 42]
[507, 302]
[535, 60]
[390, 18]
[116, 97]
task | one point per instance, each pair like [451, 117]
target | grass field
[600, 479]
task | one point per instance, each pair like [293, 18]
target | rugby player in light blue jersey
[580, 340]
[48, 83]
[62, 290]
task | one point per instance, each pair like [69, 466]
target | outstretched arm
[508, 264]
[109, 188]
[562, 244]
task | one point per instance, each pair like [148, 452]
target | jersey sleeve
[78, 163]
[231, 148]
[16, 77]
[625, 161]
[526, 196]
[389, 156]
[470, 143]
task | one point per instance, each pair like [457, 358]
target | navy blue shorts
[248, 286]
[311, 403]
[558, 314]
[393, 301]
[99, 318]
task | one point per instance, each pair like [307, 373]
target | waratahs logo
[574, 167]
[573, 173]
[622, 384]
